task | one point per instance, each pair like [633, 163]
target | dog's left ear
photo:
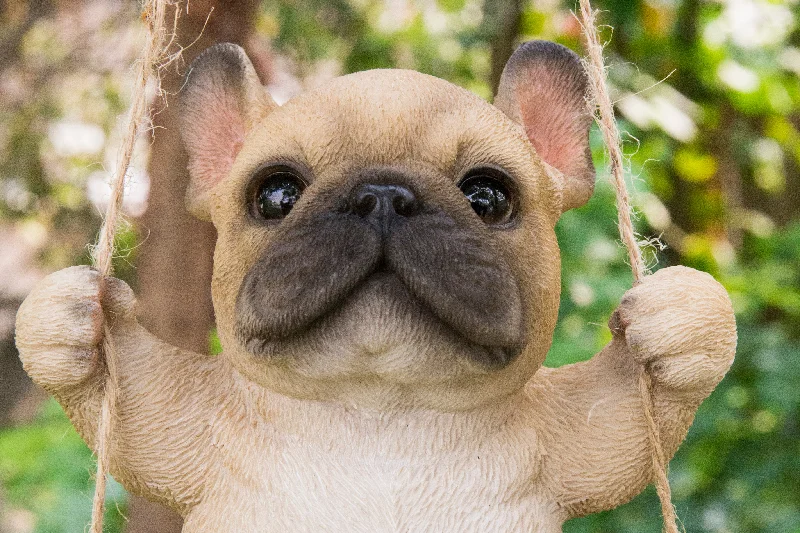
[544, 88]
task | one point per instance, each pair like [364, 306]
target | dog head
[388, 238]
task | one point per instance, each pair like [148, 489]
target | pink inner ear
[213, 139]
[543, 88]
[556, 131]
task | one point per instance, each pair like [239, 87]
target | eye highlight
[489, 193]
[275, 192]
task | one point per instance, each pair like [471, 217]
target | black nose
[383, 201]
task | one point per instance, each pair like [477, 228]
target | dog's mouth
[317, 264]
[382, 267]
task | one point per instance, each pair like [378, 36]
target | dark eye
[489, 196]
[277, 193]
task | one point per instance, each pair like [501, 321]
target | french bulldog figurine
[386, 285]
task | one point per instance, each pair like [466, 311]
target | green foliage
[45, 468]
[446, 41]
[214, 344]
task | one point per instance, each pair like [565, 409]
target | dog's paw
[679, 322]
[60, 324]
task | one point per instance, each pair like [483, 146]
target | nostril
[365, 203]
[404, 202]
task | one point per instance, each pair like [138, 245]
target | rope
[153, 14]
[608, 127]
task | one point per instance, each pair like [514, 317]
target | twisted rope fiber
[611, 136]
[153, 13]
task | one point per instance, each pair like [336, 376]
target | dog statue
[386, 285]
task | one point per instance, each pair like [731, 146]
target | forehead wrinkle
[490, 138]
[383, 119]
[318, 136]
[268, 143]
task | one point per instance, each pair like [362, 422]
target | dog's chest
[389, 479]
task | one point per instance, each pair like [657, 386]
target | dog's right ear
[220, 102]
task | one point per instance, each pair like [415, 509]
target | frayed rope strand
[153, 13]
[608, 127]
[611, 136]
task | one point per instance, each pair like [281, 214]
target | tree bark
[175, 263]
[503, 20]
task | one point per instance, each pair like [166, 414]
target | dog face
[388, 238]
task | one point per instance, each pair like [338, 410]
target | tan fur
[386, 428]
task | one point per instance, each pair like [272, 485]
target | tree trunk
[174, 268]
[502, 25]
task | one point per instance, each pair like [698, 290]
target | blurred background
[707, 93]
